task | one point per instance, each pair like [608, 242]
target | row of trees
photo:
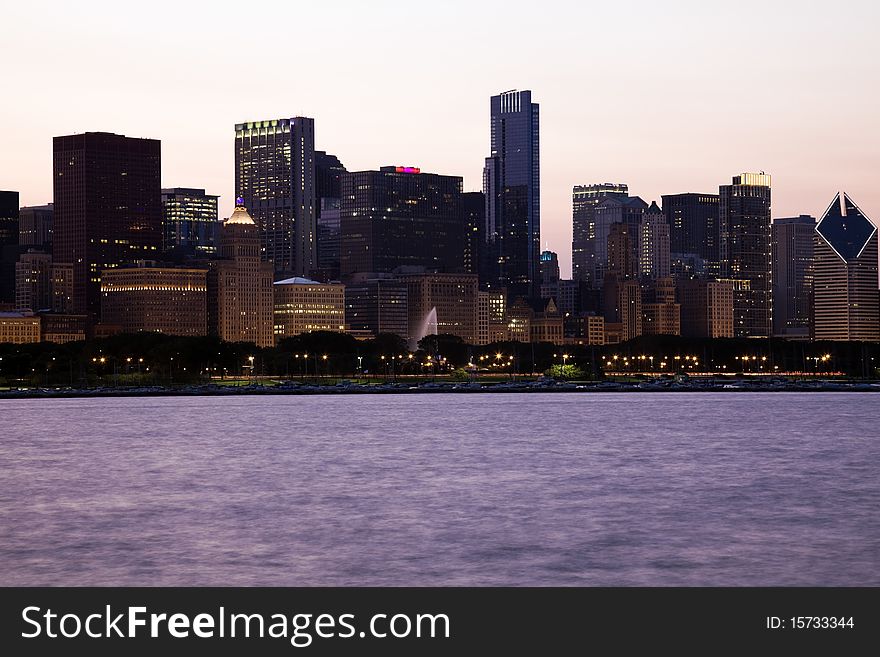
[151, 358]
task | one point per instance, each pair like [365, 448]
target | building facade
[847, 306]
[584, 199]
[190, 221]
[33, 281]
[653, 247]
[240, 294]
[275, 179]
[377, 305]
[108, 208]
[303, 305]
[706, 308]
[694, 228]
[793, 248]
[401, 217]
[35, 226]
[442, 303]
[169, 300]
[19, 328]
[511, 183]
[746, 252]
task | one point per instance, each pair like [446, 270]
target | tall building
[9, 246]
[584, 199]
[745, 253]
[793, 276]
[622, 250]
[240, 294]
[377, 305]
[511, 182]
[661, 314]
[622, 305]
[328, 191]
[491, 318]
[474, 208]
[329, 236]
[190, 221]
[694, 228]
[845, 278]
[33, 275]
[169, 300]
[654, 250]
[35, 226]
[108, 207]
[706, 308]
[549, 268]
[398, 217]
[275, 178]
[609, 210]
[8, 218]
[303, 305]
[442, 303]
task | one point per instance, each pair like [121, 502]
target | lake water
[442, 489]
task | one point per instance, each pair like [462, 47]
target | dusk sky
[667, 97]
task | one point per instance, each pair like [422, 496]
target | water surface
[443, 489]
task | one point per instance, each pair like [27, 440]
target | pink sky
[665, 96]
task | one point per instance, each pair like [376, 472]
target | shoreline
[213, 390]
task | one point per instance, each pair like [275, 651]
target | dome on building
[240, 214]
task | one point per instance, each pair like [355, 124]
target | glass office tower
[511, 182]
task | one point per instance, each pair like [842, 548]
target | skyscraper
[549, 267]
[694, 228]
[275, 177]
[654, 255]
[845, 279]
[240, 294]
[328, 181]
[474, 208]
[745, 252]
[584, 199]
[8, 218]
[35, 226]
[511, 182]
[793, 248]
[9, 246]
[608, 211]
[190, 220]
[108, 207]
[399, 216]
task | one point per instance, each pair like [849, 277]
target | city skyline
[689, 133]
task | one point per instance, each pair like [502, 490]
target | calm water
[508, 489]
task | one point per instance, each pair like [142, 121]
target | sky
[666, 96]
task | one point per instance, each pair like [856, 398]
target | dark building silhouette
[511, 182]
[474, 208]
[328, 180]
[35, 226]
[9, 247]
[275, 178]
[611, 210]
[398, 217]
[108, 208]
[549, 268]
[190, 220]
[8, 218]
[694, 228]
[377, 305]
[847, 306]
[793, 249]
[584, 199]
[328, 175]
[745, 253]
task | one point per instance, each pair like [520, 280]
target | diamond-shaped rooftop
[845, 228]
